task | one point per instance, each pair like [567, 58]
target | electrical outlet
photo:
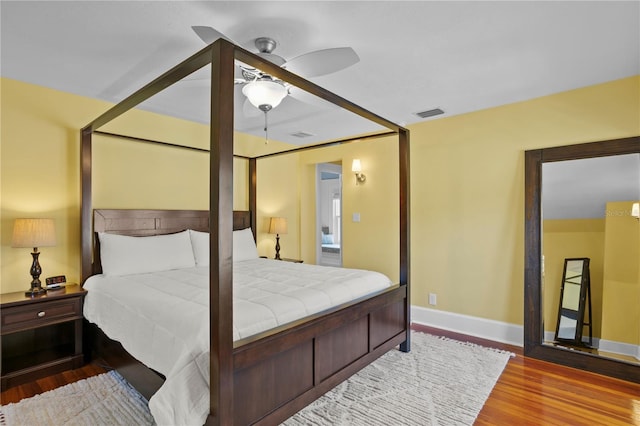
[433, 299]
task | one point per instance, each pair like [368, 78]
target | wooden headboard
[154, 222]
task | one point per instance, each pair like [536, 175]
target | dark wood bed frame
[266, 378]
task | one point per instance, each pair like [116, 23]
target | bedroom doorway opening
[329, 214]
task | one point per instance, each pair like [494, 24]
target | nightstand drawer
[39, 314]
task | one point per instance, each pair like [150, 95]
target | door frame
[331, 167]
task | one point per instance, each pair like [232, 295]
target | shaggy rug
[107, 399]
[440, 382]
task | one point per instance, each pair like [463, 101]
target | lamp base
[277, 247]
[33, 292]
[36, 270]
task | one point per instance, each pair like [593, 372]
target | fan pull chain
[266, 132]
[265, 108]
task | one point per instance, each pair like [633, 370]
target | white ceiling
[415, 56]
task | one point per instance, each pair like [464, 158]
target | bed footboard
[300, 364]
[279, 372]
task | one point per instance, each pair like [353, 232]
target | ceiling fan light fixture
[264, 94]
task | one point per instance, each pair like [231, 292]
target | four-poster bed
[296, 362]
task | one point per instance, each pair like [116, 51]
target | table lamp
[34, 233]
[278, 225]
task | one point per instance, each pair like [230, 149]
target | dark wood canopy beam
[155, 142]
[203, 58]
[327, 144]
[177, 73]
[273, 154]
[281, 73]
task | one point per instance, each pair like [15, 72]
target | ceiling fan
[266, 92]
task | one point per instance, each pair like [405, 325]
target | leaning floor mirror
[579, 204]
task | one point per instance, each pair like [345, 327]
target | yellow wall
[286, 187]
[467, 189]
[621, 316]
[467, 195]
[372, 243]
[570, 238]
[40, 160]
[277, 195]
[40, 171]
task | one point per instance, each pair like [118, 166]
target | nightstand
[285, 259]
[40, 335]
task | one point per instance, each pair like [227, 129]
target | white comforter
[162, 318]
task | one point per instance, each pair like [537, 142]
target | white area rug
[440, 382]
[106, 399]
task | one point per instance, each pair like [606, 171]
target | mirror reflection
[586, 213]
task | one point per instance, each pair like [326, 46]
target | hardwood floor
[529, 392]
[533, 392]
[27, 390]
[538, 392]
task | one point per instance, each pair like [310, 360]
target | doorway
[329, 214]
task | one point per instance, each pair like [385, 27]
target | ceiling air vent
[302, 134]
[429, 113]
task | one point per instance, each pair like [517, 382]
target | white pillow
[244, 246]
[123, 255]
[200, 244]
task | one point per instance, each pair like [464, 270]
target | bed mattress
[162, 318]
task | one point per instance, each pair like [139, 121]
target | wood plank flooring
[27, 390]
[529, 392]
[533, 392]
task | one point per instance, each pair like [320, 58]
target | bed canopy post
[86, 243]
[253, 197]
[403, 159]
[221, 228]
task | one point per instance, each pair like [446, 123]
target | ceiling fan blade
[322, 62]
[309, 99]
[209, 35]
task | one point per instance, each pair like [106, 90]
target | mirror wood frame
[533, 314]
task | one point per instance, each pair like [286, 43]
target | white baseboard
[497, 331]
[619, 348]
[605, 345]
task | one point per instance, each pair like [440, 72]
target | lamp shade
[264, 92]
[33, 233]
[278, 225]
[356, 166]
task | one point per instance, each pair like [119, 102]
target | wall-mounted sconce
[356, 167]
[635, 210]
